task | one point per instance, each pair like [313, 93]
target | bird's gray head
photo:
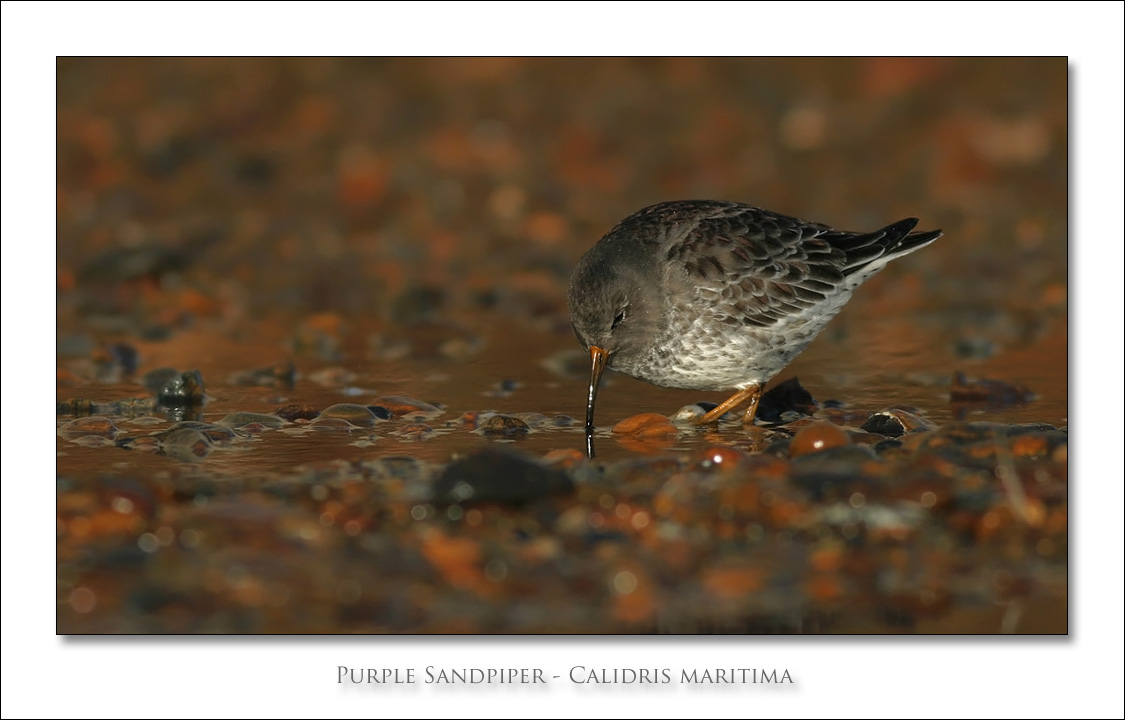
[614, 311]
[612, 306]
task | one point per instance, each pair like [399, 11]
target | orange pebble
[817, 437]
[646, 425]
[720, 456]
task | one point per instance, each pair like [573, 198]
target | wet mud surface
[315, 371]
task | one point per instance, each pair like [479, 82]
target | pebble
[896, 422]
[646, 425]
[816, 437]
[789, 396]
[332, 424]
[82, 427]
[291, 413]
[494, 475]
[408, 408]
[414, 431]
[186, 444]
[357, 415]
[240, 419]
[183, 389]
[504, 426]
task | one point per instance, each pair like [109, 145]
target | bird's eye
[618, 318]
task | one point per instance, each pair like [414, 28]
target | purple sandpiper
[710, 295]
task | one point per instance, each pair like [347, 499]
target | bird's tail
[867, 252]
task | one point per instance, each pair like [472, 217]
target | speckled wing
[759, 268]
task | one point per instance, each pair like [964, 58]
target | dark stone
[890, 445]
[380, 412]
[184, 389]
[884, 424]
[789, 396]
[297, 412]
[504, 425]
[494, 475]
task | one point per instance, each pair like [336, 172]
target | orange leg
[748, 417]
[753, 393]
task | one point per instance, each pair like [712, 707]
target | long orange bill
[598, 359]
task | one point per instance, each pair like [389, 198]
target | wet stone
[414, 431]
[92, 441]
[186, 444]
[646, 425]
[789, 396]
[896, 422]
[358, 415]
[817, 437]
[504, 426]
[688, 413]
[145, 443]
[241, 419]
[332, 424]
[380, 412]
[214, 432]
[403, 407]
[87, 426]
[493, 475]
[470, 420]
[865, 438]
[533, 419]
[184, 389]
[290, 413]
[720, 457]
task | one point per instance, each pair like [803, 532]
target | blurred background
[315, 231]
